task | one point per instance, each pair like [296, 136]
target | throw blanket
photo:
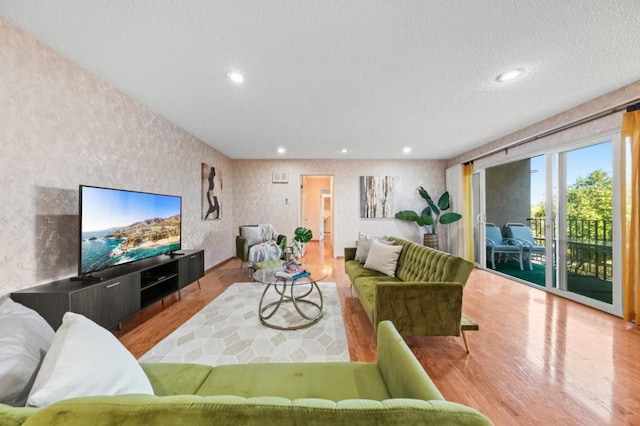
[269, 233]
[264, 252]
[268, 250]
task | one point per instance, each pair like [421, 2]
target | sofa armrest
[242, 248]
[420, 308]
[349, 253]
[282, 241]
[402, 372]
[176, 379]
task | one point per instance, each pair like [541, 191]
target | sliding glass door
[478, 185]
[586, 224]
[515, 204]
[562, 206]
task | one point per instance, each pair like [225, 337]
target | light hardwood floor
[537, 359]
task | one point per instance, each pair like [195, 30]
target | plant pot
[430, 240]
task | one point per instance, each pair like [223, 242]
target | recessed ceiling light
[236, 77]
[344, 150]
[510, 75]
[281, 150]
[406, 150]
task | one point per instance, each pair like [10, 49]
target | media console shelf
[122, 291]
[157, 282]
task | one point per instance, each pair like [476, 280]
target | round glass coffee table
[303, 294]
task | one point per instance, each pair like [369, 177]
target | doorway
[317, 208]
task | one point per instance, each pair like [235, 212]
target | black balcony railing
[589, 249]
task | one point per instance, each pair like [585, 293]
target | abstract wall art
[377, 198]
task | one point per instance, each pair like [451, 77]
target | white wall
[62, 127]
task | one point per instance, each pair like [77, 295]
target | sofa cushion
[253, 234]
[372, 280]
[364, 245]
[84, 360]
[355, 270]
[383, 258]
[335, 381]
[366, 288]
[16, 416]
[25, 337]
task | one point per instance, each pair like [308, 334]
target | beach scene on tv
[122, 226]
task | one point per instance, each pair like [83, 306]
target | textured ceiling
[372, 76]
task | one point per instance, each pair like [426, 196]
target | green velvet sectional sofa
[424, 298]
[395, 391]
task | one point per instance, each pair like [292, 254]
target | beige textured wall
[508, 193]
[257, 200]
[605, 125]
[62, 127]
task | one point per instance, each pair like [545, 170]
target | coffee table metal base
[299, 301]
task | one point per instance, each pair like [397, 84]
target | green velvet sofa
[425, 296]
[395, 391]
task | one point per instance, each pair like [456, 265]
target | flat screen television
[119, 226]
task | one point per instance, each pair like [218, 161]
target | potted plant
[431, 216]
[301, 235]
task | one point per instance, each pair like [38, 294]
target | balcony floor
[585, 285]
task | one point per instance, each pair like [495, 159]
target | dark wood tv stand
[118, 293]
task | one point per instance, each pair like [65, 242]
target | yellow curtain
[467, 212]
[631, 219]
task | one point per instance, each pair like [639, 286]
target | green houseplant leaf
[407, 215]
[432, 214]
[302, 235]
[425, 217]
[443, 201]
[450, 217]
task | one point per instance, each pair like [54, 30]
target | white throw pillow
[364, 244]
[25, 337]
[86, 360]
[383, 258]
[253, 234]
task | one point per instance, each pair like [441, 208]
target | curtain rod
[633, 107]
[629, 106]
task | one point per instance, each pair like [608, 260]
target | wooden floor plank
[537, 358]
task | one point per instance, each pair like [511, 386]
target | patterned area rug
[228, 331]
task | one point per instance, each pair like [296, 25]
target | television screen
[119, 226]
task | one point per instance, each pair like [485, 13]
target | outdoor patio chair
[523, 233]
[497, 246]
